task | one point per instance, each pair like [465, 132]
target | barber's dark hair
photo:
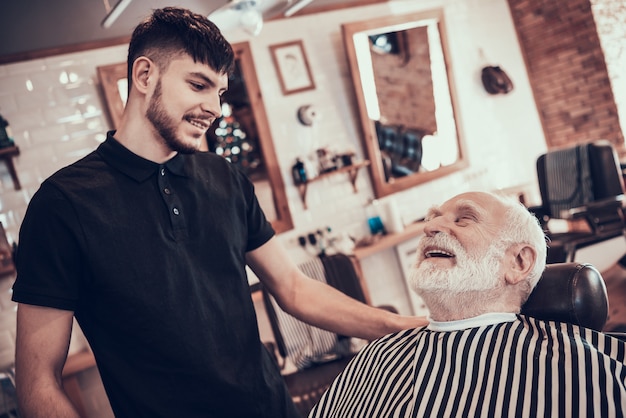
[172, 31]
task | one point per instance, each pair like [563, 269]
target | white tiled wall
[56, 115]
[56, 112]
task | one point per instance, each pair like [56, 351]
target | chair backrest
[304, 344]
[570, 292]
[577, 175]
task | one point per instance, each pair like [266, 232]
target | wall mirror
[244, 127]
[405, 99]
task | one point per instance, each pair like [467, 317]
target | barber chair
[581, 185]
[314, 356]
[570, 292]
[574, 293]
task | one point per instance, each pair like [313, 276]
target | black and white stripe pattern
[304, 343]
[525, 368]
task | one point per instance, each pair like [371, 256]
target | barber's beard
[471, 272]
[166, 126]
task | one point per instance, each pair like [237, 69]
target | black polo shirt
[151, 258]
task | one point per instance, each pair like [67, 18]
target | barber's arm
[43, 337]
[319, 304]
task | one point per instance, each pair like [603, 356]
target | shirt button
[166, 191]
[175, 210]
[162, 171]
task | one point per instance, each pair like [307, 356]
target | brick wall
[567, 71]
[410, 103]
[610, 16]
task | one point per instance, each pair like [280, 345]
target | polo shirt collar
[133, 165]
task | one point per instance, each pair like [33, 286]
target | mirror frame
[368, 130]
[110, 74]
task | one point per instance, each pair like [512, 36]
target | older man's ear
[520, 260]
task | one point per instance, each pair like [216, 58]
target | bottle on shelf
[374, 221]
[298, 172]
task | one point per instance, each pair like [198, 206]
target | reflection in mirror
[247, 117]
[235, 137]
[402, 87]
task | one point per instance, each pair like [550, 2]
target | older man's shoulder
[397, 339]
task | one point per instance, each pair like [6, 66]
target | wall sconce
[308, 114]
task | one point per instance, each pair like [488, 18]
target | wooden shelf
[7, 154]
[390, 240]
[351, 170]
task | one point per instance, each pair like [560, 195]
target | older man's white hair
[521, 226]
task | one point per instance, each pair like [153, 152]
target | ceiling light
[114, 13]
[296, 7]
[250, 19]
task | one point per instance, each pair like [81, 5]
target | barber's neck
[139, 136]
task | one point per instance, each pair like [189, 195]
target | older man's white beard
[470, 273]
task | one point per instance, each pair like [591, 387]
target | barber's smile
[202, 124]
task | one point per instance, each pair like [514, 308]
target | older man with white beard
[477, 263]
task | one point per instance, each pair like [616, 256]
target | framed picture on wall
[292, 67]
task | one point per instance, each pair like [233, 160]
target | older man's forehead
[460, 204]
[479, 204]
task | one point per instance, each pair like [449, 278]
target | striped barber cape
[523, 368]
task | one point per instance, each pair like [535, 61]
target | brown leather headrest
[570, 292]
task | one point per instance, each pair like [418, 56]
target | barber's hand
[402, 322]
[409, 322]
